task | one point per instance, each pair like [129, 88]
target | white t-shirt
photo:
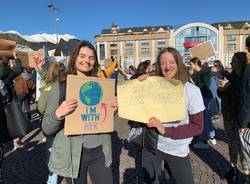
[194, 104]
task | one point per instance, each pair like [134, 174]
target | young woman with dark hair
[202, 79]
[229, 92]
[73, 156]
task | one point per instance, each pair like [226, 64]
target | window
[144, 42]
[113, 52]
[129, 43]
[231, 38]
[159, 49]
[231, 47]
[129, 51]
[144, 51]
[161, 42]
[102, 51]
[113, 45]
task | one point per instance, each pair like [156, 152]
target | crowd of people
[209, 92]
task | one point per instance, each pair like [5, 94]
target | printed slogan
[93, 114]
[155, 96]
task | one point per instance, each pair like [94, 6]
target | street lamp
[55, 9]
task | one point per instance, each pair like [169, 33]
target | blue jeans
[208, 131]
[52, 179]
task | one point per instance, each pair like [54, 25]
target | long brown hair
[242, 62]
[56, 72]
[71, 67]
[182, 73]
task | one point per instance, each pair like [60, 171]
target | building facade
[133, 45]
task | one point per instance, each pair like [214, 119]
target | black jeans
[93, 162]
[180, 167]
[1, 161]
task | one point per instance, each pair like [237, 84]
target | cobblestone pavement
[27, 165]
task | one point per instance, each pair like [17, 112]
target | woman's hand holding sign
[154, 122]
[66, 107]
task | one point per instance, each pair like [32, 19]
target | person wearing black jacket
[7, 75]
[229, 91]
[244, 113]
[202, 79]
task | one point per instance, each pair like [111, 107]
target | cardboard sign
[7, 48]
[93, 114]
[203, 51]
[32, 58]
[7, 44]
[59, 47]
[7, 53]
[153, 97]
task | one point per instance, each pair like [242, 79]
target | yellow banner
[155, 96]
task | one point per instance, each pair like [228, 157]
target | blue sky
[86, 18]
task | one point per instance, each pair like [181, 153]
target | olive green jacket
[66, 150]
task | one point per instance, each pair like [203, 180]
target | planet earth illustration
[91, 93]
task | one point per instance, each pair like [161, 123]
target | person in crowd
[73, 156]
[169, 141]
[107, 72]
[141, 69]
[131, 71]
[244, 113]
[56, 73]
[7, 75]
[217, 71]
[229, 92]
[202, 79]
[8, 72]
[24, 88]
[4, 134]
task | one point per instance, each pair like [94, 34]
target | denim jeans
[208, 131]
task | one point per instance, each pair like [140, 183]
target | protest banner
[153, 97]
[203, 51]
[31, 58]
[93, 113]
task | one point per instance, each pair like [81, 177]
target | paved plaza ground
[27, 165]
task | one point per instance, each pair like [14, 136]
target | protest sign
[7, 48]
[59, 47]
[203, 51]
[93, 113]
[31, 58]
[7, 53]
[153, 97]
[7, 44]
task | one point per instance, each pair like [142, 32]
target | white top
[194, 104]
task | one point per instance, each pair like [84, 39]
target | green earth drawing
[91, 93]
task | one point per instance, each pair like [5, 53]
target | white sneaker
[212, 141]
[201, 145]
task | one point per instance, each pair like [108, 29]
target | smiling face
[85, 60]
[168, 65]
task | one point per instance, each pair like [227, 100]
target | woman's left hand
[154, 122]
[114, 103]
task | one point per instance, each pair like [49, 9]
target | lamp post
[55, 9]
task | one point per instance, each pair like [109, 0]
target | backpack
[42, 101]
[5, 96]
